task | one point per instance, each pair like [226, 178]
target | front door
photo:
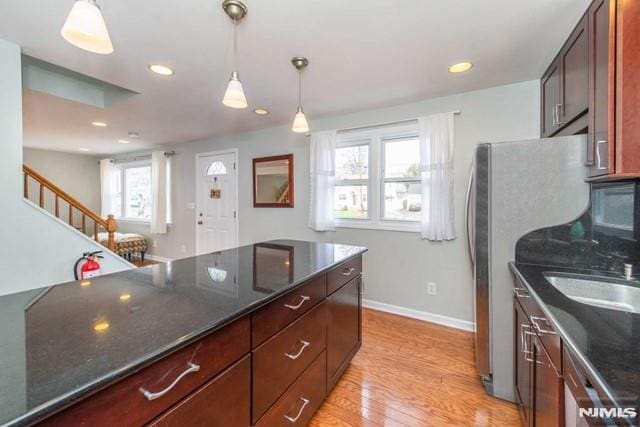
[216, 202]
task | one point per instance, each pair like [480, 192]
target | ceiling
[363, 54]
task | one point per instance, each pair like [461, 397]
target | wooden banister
[110, 225]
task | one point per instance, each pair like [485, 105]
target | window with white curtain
[378, 178]
[133, 198]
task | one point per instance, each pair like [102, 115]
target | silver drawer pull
[305, 344]
[152, 396]
[291, 419]
[521, 293]
[534, 320]
[348, 271]
[302, 301]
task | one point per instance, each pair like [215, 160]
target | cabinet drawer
[279, 361]
[343, 273]
[223, 401]
[125, 404]
[298, 404]
[279, 313]
[540, 325]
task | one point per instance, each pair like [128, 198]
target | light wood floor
[412, 373]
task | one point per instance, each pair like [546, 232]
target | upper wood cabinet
[627, 89]
[596, 71]
[550, 99]
[565, 85]
[601, 73]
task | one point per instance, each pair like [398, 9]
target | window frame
[123, 191]
[376, 137]
[356, 142]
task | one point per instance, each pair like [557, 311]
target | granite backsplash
[605, 237]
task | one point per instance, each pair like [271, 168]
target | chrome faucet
[628, 271]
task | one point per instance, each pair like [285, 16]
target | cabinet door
[547, 389]
[627, 81]
[522, 360]
[600, 91]
[574, 76]
[343, 331]
[550, 99]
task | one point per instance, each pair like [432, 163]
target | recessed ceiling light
[161, 69]
[83, 149]
[99, 124]
[261, 111]
[123, 141]
[460, 67]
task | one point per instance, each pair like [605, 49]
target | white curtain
[322, 166]
[159, 190]
[436, 158]
[109, 187]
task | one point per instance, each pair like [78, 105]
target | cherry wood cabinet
[596, 71]
[565, 85]
[538, 382]
[344, 334]
[550, 99]
[627, 89]
[601, 99]
[574, 75]
[522, 362]
[546, 388]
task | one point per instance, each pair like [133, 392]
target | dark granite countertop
[60, 343]
[606, 342]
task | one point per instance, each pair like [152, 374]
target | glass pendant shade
[234, 96]
[85, 28]
[300, 124]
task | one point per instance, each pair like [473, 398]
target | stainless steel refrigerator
[514, 188]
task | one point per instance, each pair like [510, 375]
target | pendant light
[85, 28]
[300, 124]
[234, 95]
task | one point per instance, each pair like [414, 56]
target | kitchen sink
[605, 292]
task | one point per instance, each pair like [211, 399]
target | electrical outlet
[183, 249]
[155, 243]
[432, 288]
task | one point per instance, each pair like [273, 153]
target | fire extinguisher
[89, 268]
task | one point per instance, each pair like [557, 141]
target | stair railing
[109, 225]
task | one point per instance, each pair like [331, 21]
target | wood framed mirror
[273, 182]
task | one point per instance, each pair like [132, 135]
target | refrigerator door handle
[469, 225]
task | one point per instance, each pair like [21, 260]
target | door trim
[197, 157]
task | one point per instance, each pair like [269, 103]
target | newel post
[112, 225]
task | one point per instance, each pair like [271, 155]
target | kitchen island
[255, 335]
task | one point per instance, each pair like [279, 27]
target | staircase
[284, 195]
[89, 221]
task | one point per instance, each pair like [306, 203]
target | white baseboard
[420, 315]
[157, 258]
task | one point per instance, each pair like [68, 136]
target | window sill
[134, 221]
[402, 226]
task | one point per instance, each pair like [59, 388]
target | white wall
[28, 235]
[77, 174]
[398, 264]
